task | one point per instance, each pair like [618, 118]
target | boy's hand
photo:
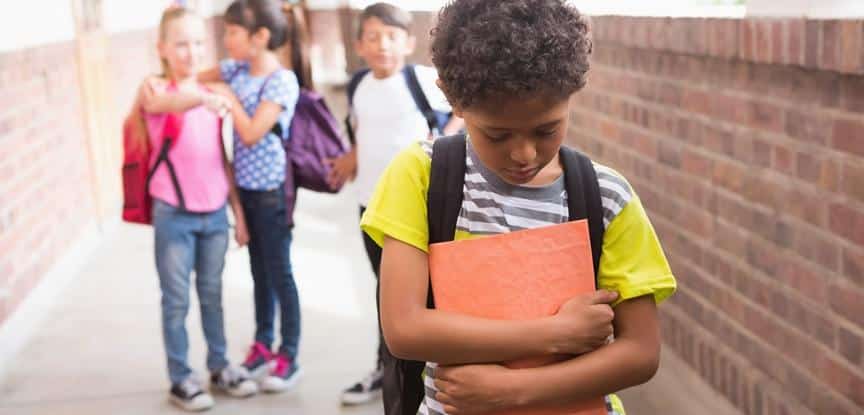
[342, 169]
[474, 389]
[584, 323]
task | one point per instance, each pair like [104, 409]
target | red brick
[783, 160]
[852, 93]
[765, 116]
[840, 378]
[779, 38]
[853, 265]
[808, 127]
[696, 164]
[818, 249]
[853, 180]
[812, 43]
[747, 39]
[851, 46]
[795, 31]
[850, 345]
[848, 136]
[848, 302]
[830, 45]
[764, 43]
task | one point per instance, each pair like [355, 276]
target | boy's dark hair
[510, 48]
[387, 13]
[255, 14]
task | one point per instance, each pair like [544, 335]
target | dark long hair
[297, 55]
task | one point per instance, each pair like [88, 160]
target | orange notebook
[517, 276]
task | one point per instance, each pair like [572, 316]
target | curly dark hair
[510, 48]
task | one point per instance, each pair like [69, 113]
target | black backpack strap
[163, 158]
[350, 90]
[403, 380]
[583, 198]
[420, 99]
[446, 183]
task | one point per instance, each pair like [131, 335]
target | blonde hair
[134, 122]
[169, 15]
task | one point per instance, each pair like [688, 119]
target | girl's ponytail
[298, 43]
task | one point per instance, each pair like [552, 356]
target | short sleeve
[283, 89]
[428, 79]
[228, 69]
[398, 205]
[633, 262]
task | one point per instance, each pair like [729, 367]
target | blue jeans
[187, 241]
[269, 255]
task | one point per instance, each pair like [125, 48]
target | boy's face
[519, 139]
[383, 47]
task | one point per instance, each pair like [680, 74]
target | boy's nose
[523, 152]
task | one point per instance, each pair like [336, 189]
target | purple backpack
[314, 137]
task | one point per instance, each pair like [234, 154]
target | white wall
[35, 23]
[819, 9]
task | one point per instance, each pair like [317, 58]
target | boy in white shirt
[392, 105]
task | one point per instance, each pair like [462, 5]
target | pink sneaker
[283, 376]
[258, 361]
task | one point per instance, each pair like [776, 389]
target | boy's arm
[632, 359]
[414, 332]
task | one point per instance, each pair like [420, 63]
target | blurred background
[739, 123]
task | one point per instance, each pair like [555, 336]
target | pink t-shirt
[197, 159]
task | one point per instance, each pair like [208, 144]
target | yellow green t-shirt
[632, 262]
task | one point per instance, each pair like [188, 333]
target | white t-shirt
[387, 121]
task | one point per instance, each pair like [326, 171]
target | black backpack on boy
[403, 379]
[435, 120]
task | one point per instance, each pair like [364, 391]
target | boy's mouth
[521, 175]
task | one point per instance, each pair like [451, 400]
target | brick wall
[45, 192]
[745, 140]
[46, 185]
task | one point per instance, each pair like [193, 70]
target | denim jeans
[187, 241]
[269, 256]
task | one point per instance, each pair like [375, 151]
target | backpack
[137, 173]
[403, 382]
[435, 120]
[314, 137]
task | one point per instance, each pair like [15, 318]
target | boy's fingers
[603, 297]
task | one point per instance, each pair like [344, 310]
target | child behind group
[190, 220]
[510, 69]
[386, 119]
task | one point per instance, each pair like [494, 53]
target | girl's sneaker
[234, 381]
[283, 377]
[189, 396]
[258, 361]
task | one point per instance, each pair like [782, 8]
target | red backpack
[137, 173]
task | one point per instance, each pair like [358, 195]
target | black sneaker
[364, 391]
[189, 396]
[234, 381]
